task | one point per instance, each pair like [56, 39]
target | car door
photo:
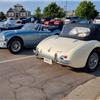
[36, 36]
[33, 37]
[42, 34]
[30, 38]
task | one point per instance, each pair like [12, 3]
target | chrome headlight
[3, 37]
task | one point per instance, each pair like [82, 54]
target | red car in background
[46, 20]
[54, 22]
[46, 23]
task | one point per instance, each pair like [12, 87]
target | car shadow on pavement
[81, 70]
[96, 73]
[26, 52]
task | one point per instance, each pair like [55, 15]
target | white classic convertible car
[77, 46]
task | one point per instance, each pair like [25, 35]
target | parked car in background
[72, 19]
[26, 20]
[30, 19]
[10, 24]
[77, 46]
[19, 21]
[10, 20]
[84, 21]
[96, 20]
[57, 23]
[55, 27]
[10, 27]
[46, 20]
[29, 36]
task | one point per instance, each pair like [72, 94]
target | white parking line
[21, 58]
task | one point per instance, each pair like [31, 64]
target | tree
[2, 16]
[86, 10]
[38, 13]
[53, 10]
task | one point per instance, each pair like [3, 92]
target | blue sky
[31, 5]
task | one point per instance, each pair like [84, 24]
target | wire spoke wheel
[15, 46]
[92, 62]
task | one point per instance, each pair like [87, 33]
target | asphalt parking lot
[23, 77]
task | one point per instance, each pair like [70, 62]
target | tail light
[64, 57]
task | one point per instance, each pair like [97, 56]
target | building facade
[18, 11]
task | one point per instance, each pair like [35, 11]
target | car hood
[59, 44]
[15, 32]
[9, 32]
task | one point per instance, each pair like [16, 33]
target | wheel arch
[86, 68]
[15, 37]
[97, 49]
[76, 62]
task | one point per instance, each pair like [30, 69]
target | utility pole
[65, 7]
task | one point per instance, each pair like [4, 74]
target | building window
[22, 14]
[10, 14]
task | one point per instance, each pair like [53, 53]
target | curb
[87, 91]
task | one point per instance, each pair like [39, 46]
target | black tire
[92, 62]
[15, 45]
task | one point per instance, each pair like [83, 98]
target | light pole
[66, 7]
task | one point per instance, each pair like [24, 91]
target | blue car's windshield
[31, 26]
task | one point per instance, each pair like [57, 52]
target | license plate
[49, 61]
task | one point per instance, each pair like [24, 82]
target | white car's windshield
[79, 31]
[73, 31]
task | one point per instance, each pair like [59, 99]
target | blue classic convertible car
[29, 36]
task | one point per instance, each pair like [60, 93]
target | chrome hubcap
[93, 60]
[16, 46]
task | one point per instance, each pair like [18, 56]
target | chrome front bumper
[3, 44]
